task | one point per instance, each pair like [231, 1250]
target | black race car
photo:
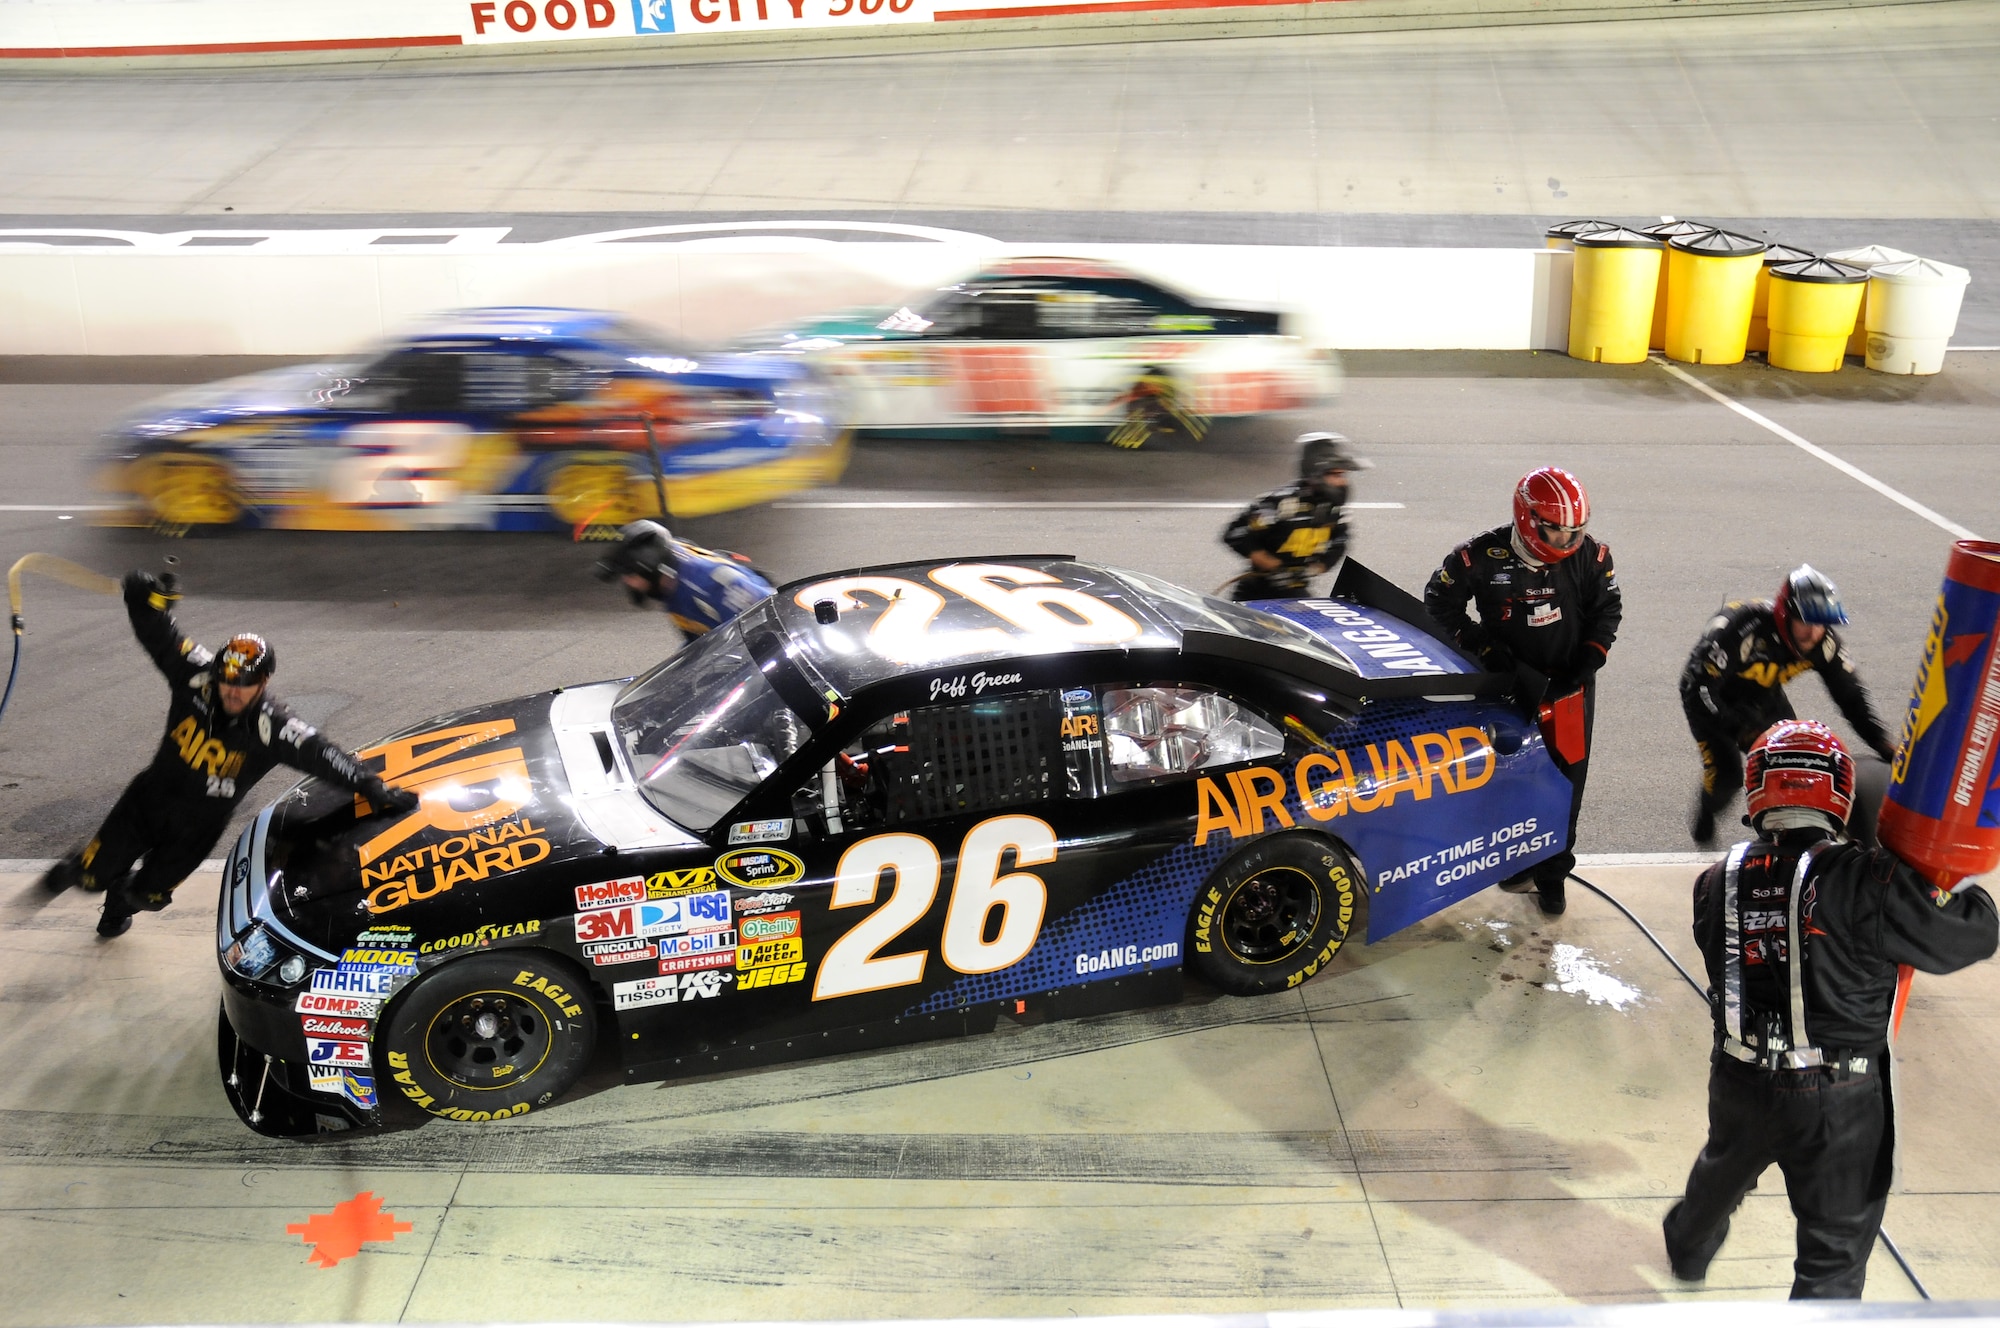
[880, 806]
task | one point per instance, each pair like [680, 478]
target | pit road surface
[1697, 503]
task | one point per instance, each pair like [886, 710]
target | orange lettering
[1253, 802]
[1329, 799]
[1213, 811]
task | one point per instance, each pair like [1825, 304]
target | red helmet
[1549, 500]
[1799, 763]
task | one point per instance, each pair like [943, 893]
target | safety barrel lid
[1617, 237]
[1920, 272]
[1785, 253]
[1566, 230]
[1667, 230]
[1868, 255]
[1822, 271]
[1718, 244]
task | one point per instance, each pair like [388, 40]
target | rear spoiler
[1362, 585]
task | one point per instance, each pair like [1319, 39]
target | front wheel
[1274, 914]
[490, 1036]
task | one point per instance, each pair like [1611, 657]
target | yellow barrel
[1613, 281]
[1760, 332]
[1813, 307]
[1563, 234]
[1865, 256]
[1709, 295]
[1666, 232]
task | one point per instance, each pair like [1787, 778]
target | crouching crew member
[1733, 687]
[1802, 933]
[1549, 609]
[700, 589]
[1299, 531]
[224, 733]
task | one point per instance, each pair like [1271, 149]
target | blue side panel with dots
[1137, 924]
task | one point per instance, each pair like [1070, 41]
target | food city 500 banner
[123, 28]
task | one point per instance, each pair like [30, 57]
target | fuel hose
[60, 569]
[1699, 990]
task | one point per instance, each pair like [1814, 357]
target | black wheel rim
[488, 1040]
[1271, 916]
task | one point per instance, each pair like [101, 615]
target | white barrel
[1911, 314]
[1865, 256]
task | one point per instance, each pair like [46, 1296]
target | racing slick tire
[1274, 914]
[489, 1036]
[597, 491]
[1154, 409]
[181, 491]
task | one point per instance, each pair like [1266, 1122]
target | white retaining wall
[282, 299]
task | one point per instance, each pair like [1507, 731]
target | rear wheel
[598, 493]
[181, 490]
[1274, 914]
[490, 1036]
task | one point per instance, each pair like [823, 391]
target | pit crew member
[700, 589]
[1549, 608]
[224, 733]
[1299, 530]
[1802, 932]
[1733, 687]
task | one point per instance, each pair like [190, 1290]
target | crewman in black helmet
[700, 589]
[1298, 531]
[1733, 686]
[224, 733]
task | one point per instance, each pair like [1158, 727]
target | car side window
[412, 381]
[920, 764]
[1088, 313]
[505, 384]
[1154, 733]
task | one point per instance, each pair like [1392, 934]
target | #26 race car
[880, 806]
[1067, 346]
[489, 419]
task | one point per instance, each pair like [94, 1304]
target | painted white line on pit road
[1846, 468]
[59, 507]
[1041, 507]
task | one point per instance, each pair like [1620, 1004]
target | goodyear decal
[1332, 784]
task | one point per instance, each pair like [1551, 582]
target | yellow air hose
[60, 569]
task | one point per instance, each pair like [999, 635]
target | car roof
[1019, 609]
[519, 322]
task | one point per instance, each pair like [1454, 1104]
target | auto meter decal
[758, 868]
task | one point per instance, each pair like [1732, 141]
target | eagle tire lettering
[1274, 914]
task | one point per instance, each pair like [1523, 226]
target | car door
[405, 439]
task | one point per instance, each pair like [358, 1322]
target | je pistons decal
[759, 868]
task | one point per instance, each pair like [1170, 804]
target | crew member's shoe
[1692, 1266]
[1552, 896]
[66, 873]
[1701, 824]
[1521, 883]
[114, 921]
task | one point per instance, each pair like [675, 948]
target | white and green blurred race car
[1069, 347]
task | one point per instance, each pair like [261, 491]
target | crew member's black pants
[1831, 1138]
[1723, 740]
[171, 834]
[1555, 870]
[1270, 585]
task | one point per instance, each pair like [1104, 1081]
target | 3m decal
[1328, 784]
[855, 964]
[496, 782]
[1033, 602]
[630, 890]
[755, 868]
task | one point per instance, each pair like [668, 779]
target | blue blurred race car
[493, 419]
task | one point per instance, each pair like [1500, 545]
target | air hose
[1702, 992]
[61, 569]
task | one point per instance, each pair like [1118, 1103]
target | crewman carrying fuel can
[1549, 609]
[224, 733]
[1733, 687]
[1802, 933]
[1299, 530]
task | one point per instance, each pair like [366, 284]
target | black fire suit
[1302, 526]
[1733, 688]
[1829, 1127]
[1550, 624]
[174, 810]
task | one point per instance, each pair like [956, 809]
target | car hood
[505, 787]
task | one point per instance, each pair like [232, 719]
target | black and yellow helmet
[246, 660]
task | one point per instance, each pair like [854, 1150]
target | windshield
[1190, 611]
[705, 728]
